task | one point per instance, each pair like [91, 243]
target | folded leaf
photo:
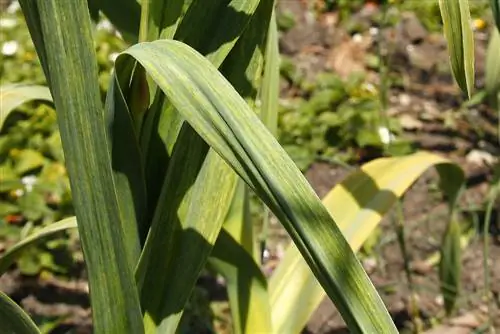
[358, 204]
[213, 108]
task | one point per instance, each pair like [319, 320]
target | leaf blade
[222, 118]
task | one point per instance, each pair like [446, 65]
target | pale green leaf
[357, 204]
[12, 96]
[458, 32]
[234, 258]
[15, 251]
[492, 71]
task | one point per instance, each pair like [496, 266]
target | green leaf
[13, 319]
[190, 238]
[450, 265]
[213, 108]
[12, 96]
[271, 79]
[495, 8]
[234, 258]
[70, 63]
[16, 251]
[492, 79]
[458, 32]
[191, 210]
[28, 160]
[364, 197]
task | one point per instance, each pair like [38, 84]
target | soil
[426, 102]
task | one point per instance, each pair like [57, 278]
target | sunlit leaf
[222, 118]
[365, 196]
[458, 32]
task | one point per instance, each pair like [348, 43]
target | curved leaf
[458, 32]
[12, 96]
[13, 319]
[364, 197]
[214, 109]
[492, 75]
[15, 251]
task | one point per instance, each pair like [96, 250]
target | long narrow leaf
[222, 118]
[271, 80]
[364, 197]
[13, 319]
[492, 79]
[233, 258]
[458, 32]
[86, 137]
[12, 96]
[450, 265]
[15, 251]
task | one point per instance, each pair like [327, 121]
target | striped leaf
[365, 196]
[108, 237]
[458, 32]
[212, 107]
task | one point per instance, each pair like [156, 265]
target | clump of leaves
[333, 117]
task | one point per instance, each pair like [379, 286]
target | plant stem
[486, 251]
[143, 28]
[400, 231]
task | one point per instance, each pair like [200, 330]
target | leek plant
[160, 173]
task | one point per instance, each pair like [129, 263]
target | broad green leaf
[458, 32]
[233, 258]
[15, 251]
[450, 266]
[85, 127]
[492, 80]
[213, 108]
[12, 96]
[357, 204]
[13, 319]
